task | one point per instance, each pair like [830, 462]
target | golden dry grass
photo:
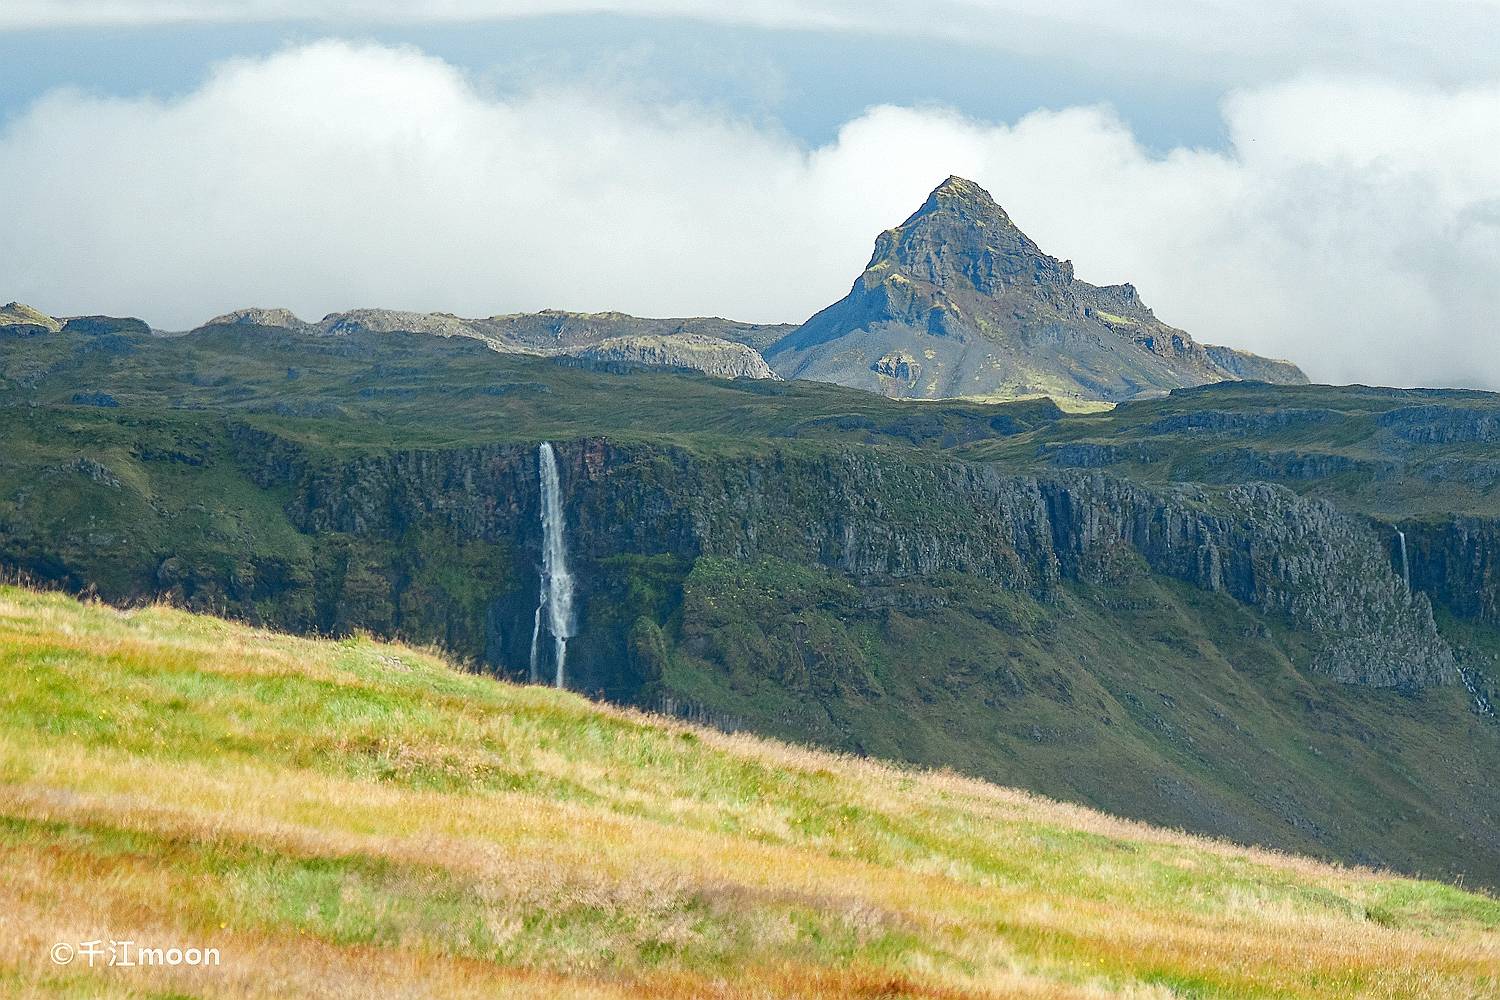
[358, 819]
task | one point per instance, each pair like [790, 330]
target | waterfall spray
[556, 598]
[1405, 566]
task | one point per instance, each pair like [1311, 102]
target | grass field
[357, 819]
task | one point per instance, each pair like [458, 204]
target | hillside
[957, 301]
[357, 819]
[1115, 609]
[719, 347]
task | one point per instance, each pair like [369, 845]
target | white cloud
[1352, 225]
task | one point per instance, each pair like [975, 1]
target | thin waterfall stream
[1405, 565]
[1481, 703]
[555, 602]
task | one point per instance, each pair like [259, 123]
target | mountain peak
[961, 197]
[961, 237]
[956, 188]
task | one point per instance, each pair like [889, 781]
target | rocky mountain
[957, 301]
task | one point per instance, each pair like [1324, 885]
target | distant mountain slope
[18, 319]
[556, 328]
[957, 301]
[352, 818]
[709, 344]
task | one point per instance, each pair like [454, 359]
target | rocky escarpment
[1323, 573]
[1441, 424]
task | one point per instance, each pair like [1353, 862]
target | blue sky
[1315, 180]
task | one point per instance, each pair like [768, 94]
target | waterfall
[536, 633]
[1481, 703]
[1405, 566]
[555, 603]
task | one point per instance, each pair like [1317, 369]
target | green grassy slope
[357, 819]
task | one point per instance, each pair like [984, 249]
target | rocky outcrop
[397, 321]
[20, 320]
[898, 365]
[1253, 368]
[720, 358]
[107, 326]
[256, 316]
[960, 287]
[556, 329]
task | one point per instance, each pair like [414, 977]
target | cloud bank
[1352, 225]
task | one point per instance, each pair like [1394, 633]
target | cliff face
[1325, 574]
[1456, 561]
